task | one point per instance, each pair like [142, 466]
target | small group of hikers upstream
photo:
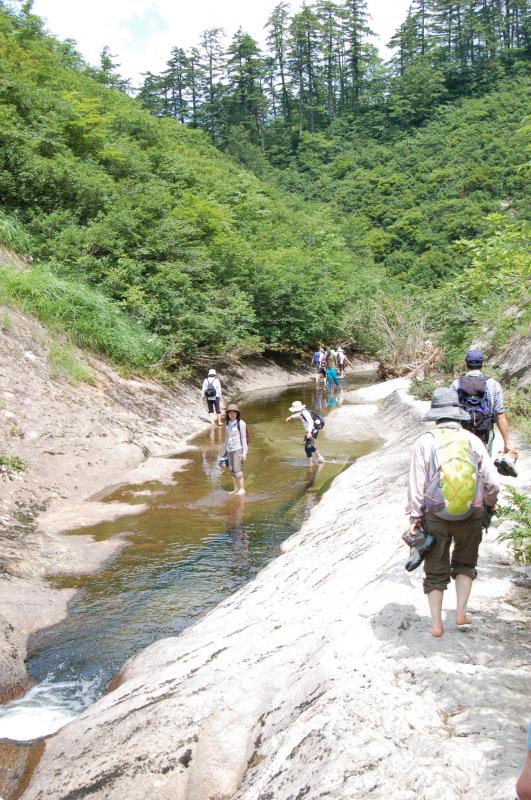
[327, 362]
[454, 485]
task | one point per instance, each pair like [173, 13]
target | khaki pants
[235, 463]
[466, 537]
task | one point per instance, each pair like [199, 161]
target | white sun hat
[297, 406]
[212, 372]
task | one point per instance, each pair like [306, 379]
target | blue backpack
[473, 397]
[316, 357]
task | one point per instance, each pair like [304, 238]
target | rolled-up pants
[439, 565]
[235, 463]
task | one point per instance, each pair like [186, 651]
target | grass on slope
[84, 314]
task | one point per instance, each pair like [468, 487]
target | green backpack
[452, 491]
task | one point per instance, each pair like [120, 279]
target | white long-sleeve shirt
[488, 485]
[215, 383]
[306, 419]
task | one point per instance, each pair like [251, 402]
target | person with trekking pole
[451, 479]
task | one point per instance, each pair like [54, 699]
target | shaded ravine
[194, 545]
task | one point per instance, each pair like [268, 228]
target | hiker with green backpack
[451, 479]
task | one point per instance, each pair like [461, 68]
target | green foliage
[518, 405]
[10, 466]
[198, 250]
[497, 278]
[423, 385]
[12, 233]
[518, 510]
[63, 363]
[86, 315]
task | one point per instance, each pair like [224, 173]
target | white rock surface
[318, 679]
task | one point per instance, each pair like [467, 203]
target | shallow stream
[193, 546]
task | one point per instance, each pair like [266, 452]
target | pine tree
[209, 73]
[246, 100]
[304, 62]
[331, 47]
[356, 31]
[175, 84]
[277, 39]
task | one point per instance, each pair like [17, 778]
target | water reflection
[193, 546]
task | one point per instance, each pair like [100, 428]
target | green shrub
[519, 537]
[13, 234]
[518, 405]
[87, 316]
[11, 465]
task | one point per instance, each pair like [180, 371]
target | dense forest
[244, 201]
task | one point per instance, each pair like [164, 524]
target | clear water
[193, 546]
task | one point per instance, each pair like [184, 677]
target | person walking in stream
[236, 446]
[299, 411]
[451, 479]
[211, 391]
[331, 367]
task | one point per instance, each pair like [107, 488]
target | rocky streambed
[318, 678]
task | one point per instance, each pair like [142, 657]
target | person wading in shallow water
[310, 434]
[211, 391]
[236, 446]
[451, 478]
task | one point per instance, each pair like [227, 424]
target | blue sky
[141, 33]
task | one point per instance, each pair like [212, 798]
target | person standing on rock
[299, 411]
[211, 391]
[482, 397]
[236, 446]
[451, 479]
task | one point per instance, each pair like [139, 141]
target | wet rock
[318, 678]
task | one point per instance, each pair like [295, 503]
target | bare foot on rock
[462, 620]
[437, 631]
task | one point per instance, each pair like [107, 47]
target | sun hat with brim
[212, 372]
[297, 406]
[233, 407]
[445, 405]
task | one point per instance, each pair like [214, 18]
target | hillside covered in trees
[352, 198]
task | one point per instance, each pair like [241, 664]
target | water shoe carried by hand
[505, 464]
[419, 542]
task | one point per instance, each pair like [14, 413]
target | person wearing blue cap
[482, 398]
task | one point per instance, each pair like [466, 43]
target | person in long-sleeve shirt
[463, 530]
[299, 411]
[211, 391]
[236, 446]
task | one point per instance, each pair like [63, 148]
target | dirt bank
[78, 441]
[318, 678]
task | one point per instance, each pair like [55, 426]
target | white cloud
[141, 33]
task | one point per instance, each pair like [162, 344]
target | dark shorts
[309, 444]
[213, 405]
[466, 537]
